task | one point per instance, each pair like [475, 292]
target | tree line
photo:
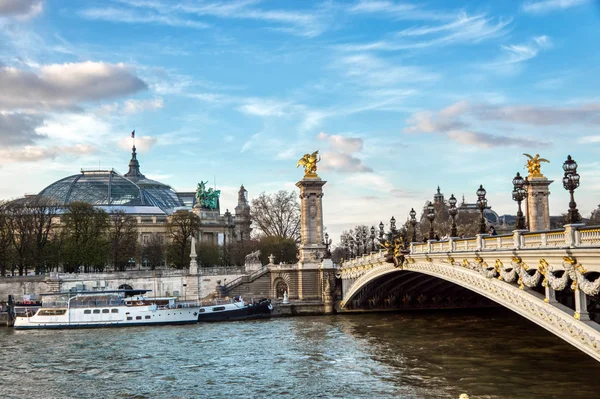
[39, 236]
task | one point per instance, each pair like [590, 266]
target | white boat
[234, 309]
[117, 308]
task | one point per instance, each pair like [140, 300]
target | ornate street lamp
[365, 237]
[519, 193]
[351, 243]
[431, 217]
[393, 228]
[372, 238]
[453, 212]
[381, 232]
[482, 204]
[327, 243]
[571, 182]
[358, 252]
[413, 223]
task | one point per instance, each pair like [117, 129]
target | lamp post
[431, 217]
[393, 228]
[453, 212]
[413, 223]
[518, 195]
[381, 232]
[131, 263]
[351, 245]
[570, 183]
[327, 243]
[365, 236]
[358, 252]
[372, 238]
[482, 203]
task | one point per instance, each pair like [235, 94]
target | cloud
[403, 11]
[20, 8]
[544, 6]
[515, 53]
[34, 153]
[142, 143]
[370, 70]
[485, 140]
[464, 29]
[589, 140]
[340, 156]
[309, 24]
[136, 17]
[135, 106]
[19, 129]
[456, 121]
[63, 86]
[263, 107]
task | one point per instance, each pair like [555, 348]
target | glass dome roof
[107, 187]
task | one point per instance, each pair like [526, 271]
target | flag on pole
[133, 134]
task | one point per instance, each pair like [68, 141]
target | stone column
[538, 210]
[312, 248]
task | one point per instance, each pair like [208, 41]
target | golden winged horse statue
[309, 162]
[533, 165]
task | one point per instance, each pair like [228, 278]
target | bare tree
[20, 222]
[44, 218]
[5, 239]
[123, 239]
[276, 215]
[182, 225]
[154, 251]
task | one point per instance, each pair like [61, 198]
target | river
[487, 354]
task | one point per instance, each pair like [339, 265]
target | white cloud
[142, 143]
[64, 86]
[135, 106]
[264, 107]
[544, 6]
[19, 128]
[589, 140]
[339, 156]
[486, 140]
[37, 153]
[136, 17]
[515, 53]
[464, 29]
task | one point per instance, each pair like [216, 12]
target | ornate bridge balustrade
[522, 272]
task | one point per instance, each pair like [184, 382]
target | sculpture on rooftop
[309, 162]
[533, 165]
[207, 198]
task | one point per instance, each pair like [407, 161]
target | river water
[491, 354]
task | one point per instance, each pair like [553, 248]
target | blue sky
[398, 97]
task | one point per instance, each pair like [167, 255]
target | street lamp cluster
[356, 246]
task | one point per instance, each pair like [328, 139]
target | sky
[398, 97]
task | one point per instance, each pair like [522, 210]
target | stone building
[151, 203]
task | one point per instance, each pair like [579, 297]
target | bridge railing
[572, 236]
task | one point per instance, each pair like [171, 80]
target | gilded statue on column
[533, 165]
[309, 162]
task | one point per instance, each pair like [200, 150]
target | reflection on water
[408, 355]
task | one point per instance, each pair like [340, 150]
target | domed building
[150, 202]
[108, 189]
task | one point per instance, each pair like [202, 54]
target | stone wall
[161, 283]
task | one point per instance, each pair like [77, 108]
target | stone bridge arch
[554, 317]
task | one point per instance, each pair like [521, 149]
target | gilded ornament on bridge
[533, 165]
[309, 162]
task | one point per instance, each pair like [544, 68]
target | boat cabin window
[52, 312]
[96, 311]
[105, 310]
[202, 310]
[218, 308]
[129, 318]
[138, 317]
[147, 317]
[87, 311]
[114, 311]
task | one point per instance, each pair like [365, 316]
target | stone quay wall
[160, 282]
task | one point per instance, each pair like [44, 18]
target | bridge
[548, 277]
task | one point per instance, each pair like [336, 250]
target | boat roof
[131, 292]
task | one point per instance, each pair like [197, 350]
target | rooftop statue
[533, 165]
[207, 198]
[309, 161]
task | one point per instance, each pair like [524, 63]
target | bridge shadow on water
[488, 353]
